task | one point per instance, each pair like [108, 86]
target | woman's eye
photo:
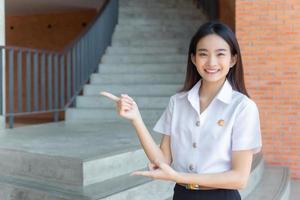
[202, 54]
[221, 54]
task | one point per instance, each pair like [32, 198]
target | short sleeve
[164, 124]
[246, 134]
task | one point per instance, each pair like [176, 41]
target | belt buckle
[192, 186]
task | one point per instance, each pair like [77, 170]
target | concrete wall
[52, 31]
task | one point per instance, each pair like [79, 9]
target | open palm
[162, 171]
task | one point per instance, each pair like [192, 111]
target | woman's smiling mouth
[211, 71]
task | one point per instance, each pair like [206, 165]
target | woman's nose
[212, 61]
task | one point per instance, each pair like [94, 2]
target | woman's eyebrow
[221, 50]
[207, 50]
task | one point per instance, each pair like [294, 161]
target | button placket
[191, 166]
[194, 138]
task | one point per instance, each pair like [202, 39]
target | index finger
[110, 96]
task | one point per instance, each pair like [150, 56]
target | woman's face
[213, 58]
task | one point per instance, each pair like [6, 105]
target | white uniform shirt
[203, 143]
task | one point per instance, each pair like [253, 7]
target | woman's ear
[233, 60]
[193, 59]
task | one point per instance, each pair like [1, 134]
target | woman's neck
[208, 90]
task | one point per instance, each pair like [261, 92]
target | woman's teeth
[211, 71]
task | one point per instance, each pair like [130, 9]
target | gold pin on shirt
[221, 122]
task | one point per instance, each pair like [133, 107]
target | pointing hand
[125, 105]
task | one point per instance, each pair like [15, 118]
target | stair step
[135, 188]
[145, 50]
[179, 28]
[161, 14]
[140, 58]
[171, 43]
[103, 102]
[159, 9]
[153, 34]
[155, 5]
[143, 68]
[107, 115]
[122, 29]
[160, 22]
[17, 189]
[133, 89]
[66, 170]
[138, 78]
[150, 2]
[118, 188]
[59, 154]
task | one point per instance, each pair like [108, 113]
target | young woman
[210, 128]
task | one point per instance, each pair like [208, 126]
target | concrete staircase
[92, 153]
[147, 59]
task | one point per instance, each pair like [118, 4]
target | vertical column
[2, 60]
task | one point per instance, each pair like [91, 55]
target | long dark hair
[235, 75]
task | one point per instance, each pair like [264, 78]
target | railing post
[35, 82]
[20, 81]
[62, 81]
[55, 76]
[43, 81]
[74, 73]
[11, 88]
[28, 81]
[69, 75]
[49, 92]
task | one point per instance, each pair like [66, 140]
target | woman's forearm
[228, 180]
[151, 149]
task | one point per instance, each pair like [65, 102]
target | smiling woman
[207, 146]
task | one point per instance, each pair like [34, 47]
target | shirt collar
[223, 95]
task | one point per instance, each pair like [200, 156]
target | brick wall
[269, 34]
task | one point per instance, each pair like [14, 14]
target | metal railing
[40, 81]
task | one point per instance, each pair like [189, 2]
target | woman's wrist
[178, 178]
[137, 120]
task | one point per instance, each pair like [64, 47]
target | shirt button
[198, 123]
[194, 145]
[191, 167]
